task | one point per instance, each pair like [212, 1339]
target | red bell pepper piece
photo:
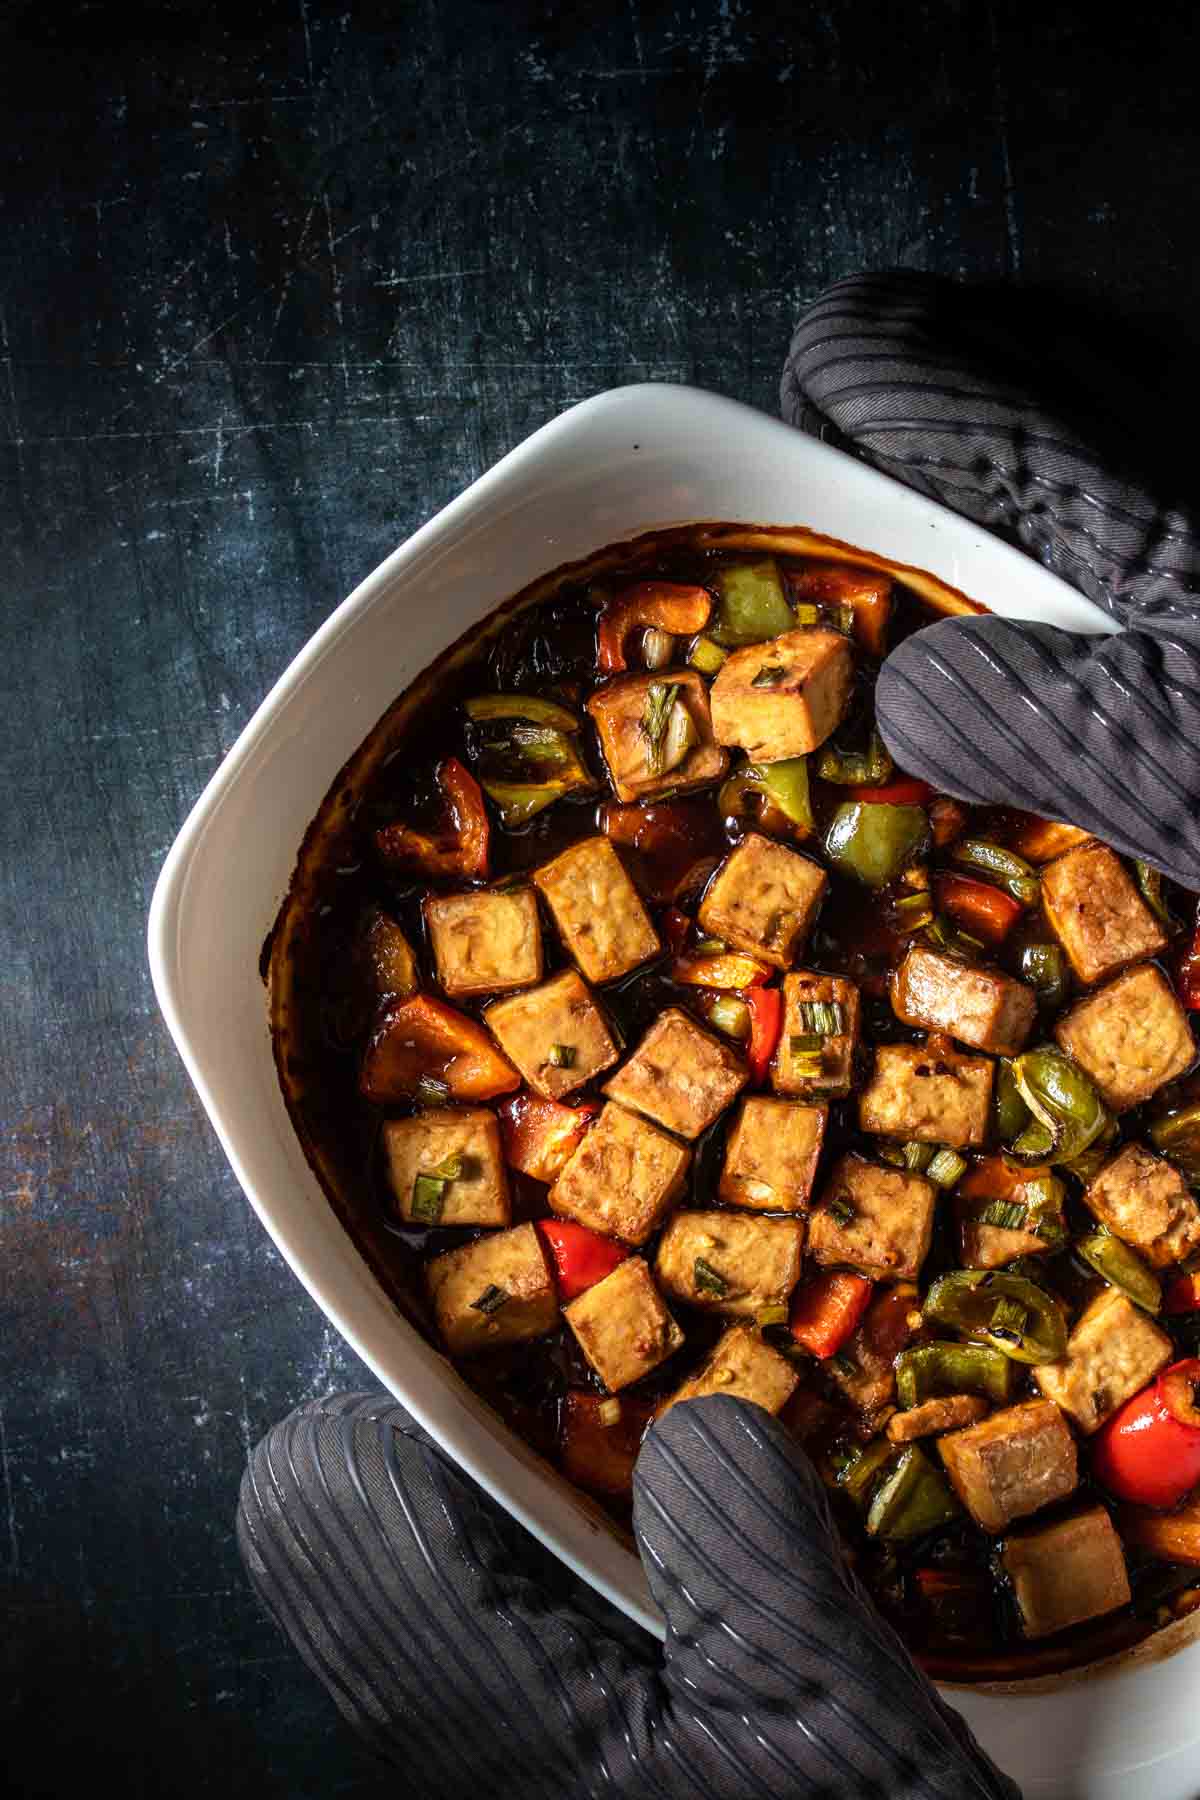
[460, 851]
[826, 1311]
[1187, 979]
[424, 1038]
[983, 910]
[541, 1135]
[601, 1457]
[669, 605]
[906, 791]
[1149, 1451]
[867, 592]
[1182, 1295]
[580, 1257]
[730, 969]
[766, 1022]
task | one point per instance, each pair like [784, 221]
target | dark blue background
[276, 281]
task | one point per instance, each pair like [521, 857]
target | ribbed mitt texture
[951, 392]
[478, 1664]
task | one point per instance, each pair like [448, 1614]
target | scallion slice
[428, 1199]
[1009, 1215]
[609, 1413]
[806, 613]
[658, 647]
[842, 1365]
[770, 675]
[660, 702]
[827, 1018]
[918, 1157]
[709, 1280]
[729, 1015]
[840, 1210]
[491, 1299]
[706, 656]
[946, 1168]
[562, 1056]
[766, 1316]
[432, 1091]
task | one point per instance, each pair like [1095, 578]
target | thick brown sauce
[545, 644]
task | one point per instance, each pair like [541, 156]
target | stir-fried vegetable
[782, 786]
[1015, 1199]
[752, 604]
[1150, 883]
[874, 843]
[766, 1021]
[725, 969]
[1149, 1451]
[988, 913]
[667, 727]
[826, 1311]
[1187, 979]
[1122, 1268]
[706, 656]
[540, 1136]
[1010, 1115]
[1044, 967]
[461, 851]
[529, 708]
[728, 1014]
[1003, 867]
[1008, 1311]
[422, 1040]
[864, 594]
[529, 754]
[1064, 1104]
[856, 768]
[579, 1257]
[913, 1498]
[949, 1368]
[665, 606]
[1177, 1135]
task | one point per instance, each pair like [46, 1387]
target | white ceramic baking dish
[616, 465]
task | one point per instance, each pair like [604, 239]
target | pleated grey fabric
[477, 1664]
[948, 390]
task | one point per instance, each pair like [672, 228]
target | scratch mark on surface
[1012, 233]
[336, 280]
[9, 1498]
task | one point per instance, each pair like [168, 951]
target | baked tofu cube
[1146, 1201]
[1012, 1464]
[874, 1219]
[1113, 1351]
[467, 1137]
[597, 910]
[980, 1007]
[726, 1262]
[497, 1290]
[804, 988]
[680, 1075]
[623, 708]
[784, 697]
[764, 898]
[1067, 1572]
[622, 1178]
[485, 943]
[1097, 914]
[947, 1412]
[771, 1155]
[556, 1034]
[744, 1367]
[1131, 1036]
[622, 1325]
[941, 1098]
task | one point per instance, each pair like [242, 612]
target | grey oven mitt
[1013, 422]
[475, 1663]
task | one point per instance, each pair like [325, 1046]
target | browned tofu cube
[980, 1007]
[1131, 1036]
[1011, 1464]
[935, 1097]
[466, 1138]
[622, 1325]
[764, 898]
[623, 1177]
[874, 1219]
[744, 1367]
[1067, 1572]
[771, 1155]
[680, 1075]
[597, 910]
[947, 1412]
[804, 989]
[784, 697]
[726, 1262]
[1113, 1350]
[1097, 914]
[640, 763]
[497, 1290]
[556, 1034]
[485, 943]
[1146, 1201]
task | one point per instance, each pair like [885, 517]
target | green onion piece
[609, 1412]
[428, 1199]
[806, 612]
[657, 648]
[520, 706]
[770, 675]
[1150, 882]
[806, 1064]
[842, 1365]
[711, 946]
[771, 1315]
[681, 737]
[1122, 1268]
[842, 619]
[706, 656]
[491, 1299]
[543, 744]
[840, 1210]
[946, 1168]
[660, 703]
[709, 1280]
[891, 1153]
[562, 1056]
[801, 1042]
[1009, 1319]
[914, 911]
[827, 1018]
[450, 1169]
[431, 1091]
[856, 1476]
[856, 768]
[1002, 867]
[1009, 1215]
[918, 1157]
[728, 1014]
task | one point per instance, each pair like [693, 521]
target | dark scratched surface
[275, 283]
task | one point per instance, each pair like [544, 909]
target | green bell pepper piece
[751, 603]
[521, 706]
[1122, 1268]
[871, 767]
[1062, 1099]
[949, 1368]
[1010, 1313]
[520, 801]
[913, 1498]
[1177, 1135]
[1044, 967]
[874, 842]
[999, 866]
[1010, 1115]
[858, 1477]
